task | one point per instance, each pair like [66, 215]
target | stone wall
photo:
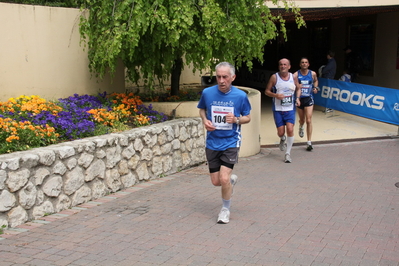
[46, 180]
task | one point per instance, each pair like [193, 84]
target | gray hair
[227, 64]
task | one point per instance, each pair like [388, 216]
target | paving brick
[337, 205]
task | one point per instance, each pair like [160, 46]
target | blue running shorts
[281, 118]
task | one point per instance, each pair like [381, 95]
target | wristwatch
[237, 120]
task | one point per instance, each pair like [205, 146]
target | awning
[315, 14]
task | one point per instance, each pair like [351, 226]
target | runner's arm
[243, 119]
[298, 86]
[268, 91]
[207, 123]
[315, 82]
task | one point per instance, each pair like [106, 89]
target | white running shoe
[224, 216]
[283, 144]
[301, 132]
[287, 158]
[233, 181]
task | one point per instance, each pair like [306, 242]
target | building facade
[372, 30]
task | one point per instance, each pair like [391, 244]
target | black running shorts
[216, 159]
[305, 102]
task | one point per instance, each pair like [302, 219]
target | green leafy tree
[152, 36]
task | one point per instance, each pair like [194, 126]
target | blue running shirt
[307, 83]
[217, 105]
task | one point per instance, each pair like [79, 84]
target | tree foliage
[152, 36]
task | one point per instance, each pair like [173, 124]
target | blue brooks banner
[372, 102]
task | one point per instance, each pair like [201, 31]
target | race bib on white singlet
[287, 100]
[219, 117]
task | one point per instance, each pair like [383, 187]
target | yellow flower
[11, 138]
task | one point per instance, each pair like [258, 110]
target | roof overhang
[334, 3]
[324, 13]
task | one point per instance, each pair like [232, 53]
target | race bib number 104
[219, 117]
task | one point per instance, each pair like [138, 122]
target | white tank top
[286, 87]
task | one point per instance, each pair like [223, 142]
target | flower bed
[29, 121]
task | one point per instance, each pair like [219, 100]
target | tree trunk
[175, 77]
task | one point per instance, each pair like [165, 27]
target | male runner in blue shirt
[223, 109]
[307, 83]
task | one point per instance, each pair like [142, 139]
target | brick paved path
[337, 205]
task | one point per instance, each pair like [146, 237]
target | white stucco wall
[40, 54]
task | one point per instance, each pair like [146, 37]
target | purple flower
[153, 115]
